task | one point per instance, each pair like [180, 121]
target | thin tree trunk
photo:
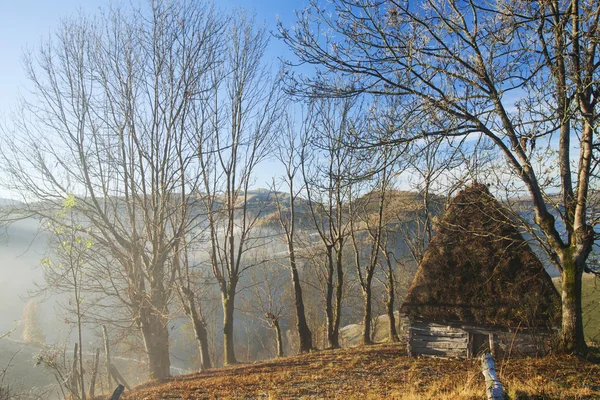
[366, 333]
[339, 291]
[278, 338]
[228, 345]
[304, 333]
[573, 339]
[199, 325]
[393, 333]
[202, 338]
[331, 341]
[81, 381]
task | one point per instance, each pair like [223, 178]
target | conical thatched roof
[479, 270]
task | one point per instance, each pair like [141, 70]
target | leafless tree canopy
[520, 73]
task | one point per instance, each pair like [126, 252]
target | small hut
[479, 286]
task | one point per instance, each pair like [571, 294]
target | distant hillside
[9, 202]
[400, 206]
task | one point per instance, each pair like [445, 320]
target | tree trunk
[199, 325]
[339, 291]
[202, 337]
[573, 339]
[331, 341]
[155, 333]
[78, 312]
[228, 343]
[304, 333]
[393, 334]
[366, 333]
[278, 338]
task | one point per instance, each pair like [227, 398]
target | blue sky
[24, 22]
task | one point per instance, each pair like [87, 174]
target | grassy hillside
[381, 371]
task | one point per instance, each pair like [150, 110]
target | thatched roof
[479, 270]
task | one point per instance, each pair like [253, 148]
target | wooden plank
[417, 341]
[436, 329]
[438, 345]
[492, 341]
[440, 333]
[441, 353]
[470, 346]
[462, 338]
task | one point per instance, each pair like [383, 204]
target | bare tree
[289, 156]
[234, 135]
[367, 224]
[191, 284]
[106, 123]
[64, 272]
[515, 72]
[325, 167]
[265, 300]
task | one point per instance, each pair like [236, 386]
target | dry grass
[381, 371]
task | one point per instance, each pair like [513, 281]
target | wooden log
[438, 345]
[493, 386]
[440, 333]
[107, 355]
[117, 376]
[94, 374]
[431, 327]
[436, 328]
[440, 339]
[117, 393]
[492, 340]
[439, 352]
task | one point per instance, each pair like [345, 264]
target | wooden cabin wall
[437, 340]
[428, 338]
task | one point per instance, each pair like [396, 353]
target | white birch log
[494, 388]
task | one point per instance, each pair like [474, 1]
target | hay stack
[479, 270]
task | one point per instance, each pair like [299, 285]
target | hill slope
[381, 371]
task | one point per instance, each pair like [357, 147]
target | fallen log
[494, 388]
